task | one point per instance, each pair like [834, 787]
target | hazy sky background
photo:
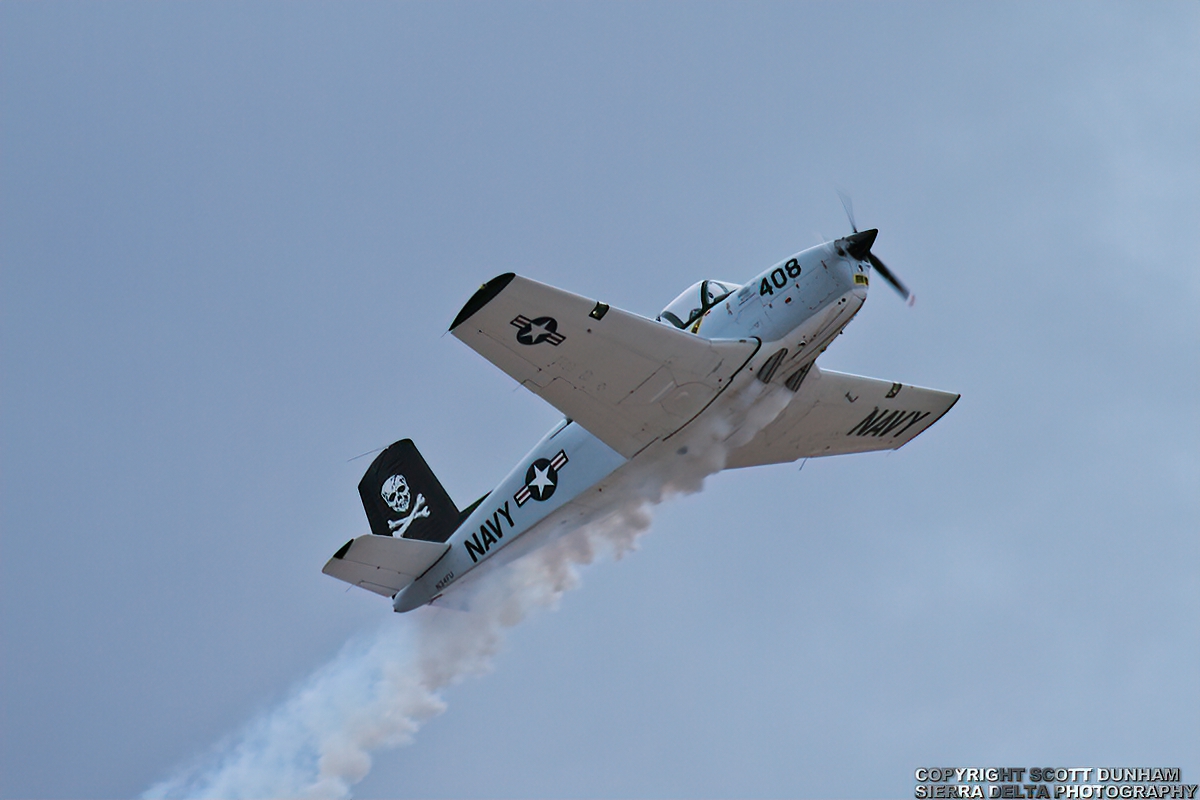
[233, 235]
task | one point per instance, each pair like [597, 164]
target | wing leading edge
[834, 413]
[626, 379]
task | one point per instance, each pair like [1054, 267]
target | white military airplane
[630, 388]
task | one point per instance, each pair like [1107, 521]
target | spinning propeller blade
[887, 275]
[859, 245]
[848, 204]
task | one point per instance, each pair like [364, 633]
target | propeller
[848, 204]
[858, 245]
[888, 276]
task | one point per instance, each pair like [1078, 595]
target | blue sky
[233, 235]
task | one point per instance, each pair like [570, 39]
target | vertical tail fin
[403, 498]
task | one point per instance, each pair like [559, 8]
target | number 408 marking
[779, 277]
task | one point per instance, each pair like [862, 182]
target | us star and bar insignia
[541, 479]
[536, 331]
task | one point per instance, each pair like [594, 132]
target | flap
[626, 379]
[834, 413]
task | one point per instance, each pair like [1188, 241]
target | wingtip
[482, 297]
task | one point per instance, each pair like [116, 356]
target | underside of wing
[833, 413]
[626, 379]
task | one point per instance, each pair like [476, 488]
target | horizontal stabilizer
[383, 564]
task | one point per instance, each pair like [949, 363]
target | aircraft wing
[834, 413]
[626, 379]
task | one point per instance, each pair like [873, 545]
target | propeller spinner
[858, 245]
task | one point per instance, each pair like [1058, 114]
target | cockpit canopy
[686, 310]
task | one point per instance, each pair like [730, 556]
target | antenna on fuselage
[368, 453]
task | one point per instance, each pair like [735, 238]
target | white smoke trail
[379, 690]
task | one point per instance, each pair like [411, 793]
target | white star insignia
[536, 331]
[541, 479]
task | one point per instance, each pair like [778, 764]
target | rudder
[403, 498]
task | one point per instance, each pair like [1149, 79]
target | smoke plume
[380, 689]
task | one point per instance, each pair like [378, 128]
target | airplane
[631, 389]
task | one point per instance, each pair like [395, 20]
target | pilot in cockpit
[687, 311]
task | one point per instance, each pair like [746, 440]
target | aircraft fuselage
[794, 309]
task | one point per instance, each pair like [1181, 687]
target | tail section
[403, 499]
[383, 564]
[411, 518]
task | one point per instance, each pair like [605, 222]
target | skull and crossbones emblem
[396, 494]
